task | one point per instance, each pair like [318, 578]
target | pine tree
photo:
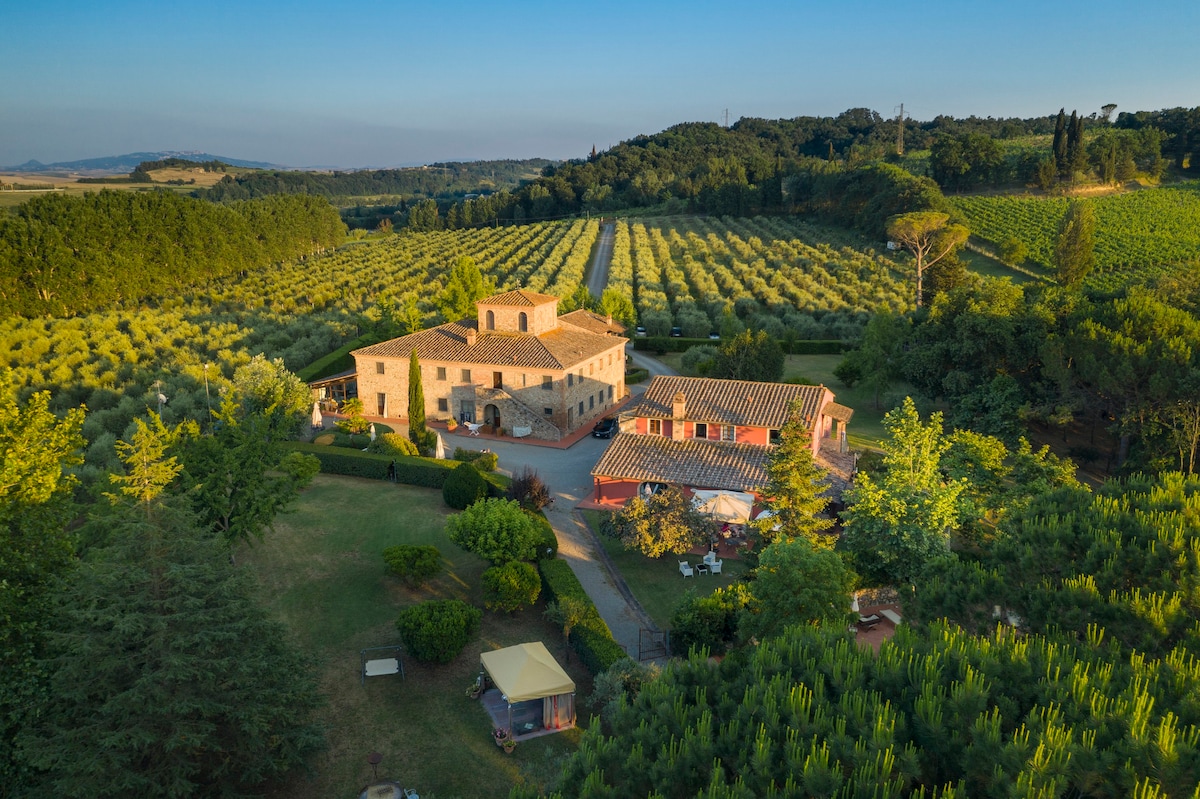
[167, 678]
[796, 487]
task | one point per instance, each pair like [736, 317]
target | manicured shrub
[494, 529]
[413, 564]
[464, 487]
[708, 622]
[546, 545]
[393, 445]
[529, 490]
[436, 631]
[590, 638]
[484, 461]
[511, 587]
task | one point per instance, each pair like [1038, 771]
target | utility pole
[900, 131]
[727, 119]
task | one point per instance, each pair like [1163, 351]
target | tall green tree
[1075, 247]
[900, 519]
[166, 676]
[1059, 143]
[877, 361]
[666, 522]
[422, 437]
[618, 305]
[795, 583]
[463, 287]
[37, 453]
[929, 237]
[749, 356]
[795, 489]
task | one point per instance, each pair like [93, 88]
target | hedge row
[636, 376]
[337, 361]
[590, 638]
[547, 547]
[798, 347]
[410, 470]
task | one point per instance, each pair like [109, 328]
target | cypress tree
[1074, 253]
[417, 432]
[1076, 149]
[1060, 141]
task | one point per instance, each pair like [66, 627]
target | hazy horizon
[382, 85]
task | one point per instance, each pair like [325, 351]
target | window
[701, 430]
[600, 396]
[581, 407]
[443, 404]
[379, 367]
[381, 401]
[610, 359]
[547, 382]
[775, 436]
[570, 379]
[548, 411]
[466, 375]
[491, 320]
[610, 392]
[728, 432]
[656, 427]
[523, 322]
[591, 368]
[591, 403]
[441, 373]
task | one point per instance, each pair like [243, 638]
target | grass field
[656, 582]
[323, 576]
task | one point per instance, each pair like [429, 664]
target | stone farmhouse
[518, 367]
[703, 433]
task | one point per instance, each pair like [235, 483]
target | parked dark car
[676, 332]
[714, 336]
[641, 331]
[605, 428]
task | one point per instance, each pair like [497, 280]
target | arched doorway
[491, 415]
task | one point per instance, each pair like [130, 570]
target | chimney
[608, 320]
[470, 336]
[678, 407]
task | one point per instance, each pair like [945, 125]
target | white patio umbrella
[727, 506]
[317, 419]
[372, 431]
[767, 514]
[440, 452]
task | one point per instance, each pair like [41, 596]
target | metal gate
[652, 644]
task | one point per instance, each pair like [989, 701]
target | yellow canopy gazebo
[525, 674]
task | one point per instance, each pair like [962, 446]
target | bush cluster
[413, 564]
[436, 631]
[528, 489]
[590, 638]
[393, 445]
[497, 530]
[511, 587]
[464, 487]
[483, 461]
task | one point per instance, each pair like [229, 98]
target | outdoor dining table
[702, 568]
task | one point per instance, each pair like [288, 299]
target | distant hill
[124, 164]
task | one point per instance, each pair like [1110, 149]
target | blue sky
[382, 84]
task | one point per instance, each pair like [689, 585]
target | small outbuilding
[537, 694]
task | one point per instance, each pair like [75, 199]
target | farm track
[597, 279]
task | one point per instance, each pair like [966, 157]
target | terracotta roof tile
[740, 402]
[839, 412]
[561, 348]
[691, 462]
[592, 322]
[518, 297]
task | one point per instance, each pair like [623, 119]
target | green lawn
[324, 577]
[657, 583]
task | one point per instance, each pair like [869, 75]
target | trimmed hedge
[636, 376]
[547, 544]
[417, 471]
[337, 361]
[483, 461]
[799, 347]
[590, 638]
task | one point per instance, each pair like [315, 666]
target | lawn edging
[410, 469]
[590, 637]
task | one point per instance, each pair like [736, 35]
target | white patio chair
[473, 429]
[686, 570]
[715, 566]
